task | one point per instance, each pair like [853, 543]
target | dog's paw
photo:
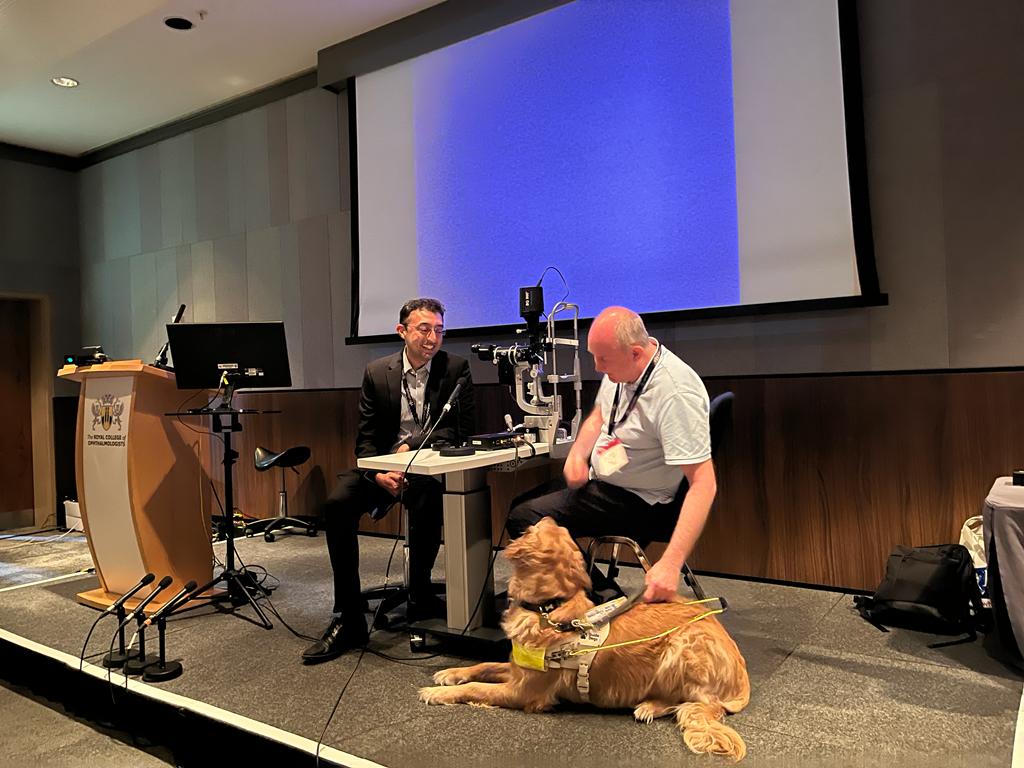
[451, 676]
[435, 694]
[648, 711]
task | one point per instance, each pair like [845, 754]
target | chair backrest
[720, 418]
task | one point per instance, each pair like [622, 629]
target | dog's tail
[704, 732]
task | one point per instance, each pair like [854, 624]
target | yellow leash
[666, 633]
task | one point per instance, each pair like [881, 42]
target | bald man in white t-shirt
[648, 431]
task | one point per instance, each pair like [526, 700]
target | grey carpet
[828, 688]
[41, 732]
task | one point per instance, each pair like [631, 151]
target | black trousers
[596, 509]
[355, 495]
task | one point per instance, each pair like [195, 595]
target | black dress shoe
[340, 636]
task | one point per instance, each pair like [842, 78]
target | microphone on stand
[161, 356]
[164, 583]
[113, 607]
[447, 407]
[171, 605]
[451, 399]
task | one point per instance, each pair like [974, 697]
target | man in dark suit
[402, 395]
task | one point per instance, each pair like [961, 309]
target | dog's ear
[514, 549]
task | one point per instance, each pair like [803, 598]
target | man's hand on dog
[662, 582]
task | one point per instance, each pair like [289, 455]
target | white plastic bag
[972, 537]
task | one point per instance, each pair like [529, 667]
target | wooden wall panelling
[819, 478]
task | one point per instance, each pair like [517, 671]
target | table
[467, 525]
[1003, 527]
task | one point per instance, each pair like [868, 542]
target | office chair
[266, 459]
[720, 418]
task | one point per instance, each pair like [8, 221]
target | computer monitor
[252, 354]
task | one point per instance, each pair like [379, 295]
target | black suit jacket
[380, 409]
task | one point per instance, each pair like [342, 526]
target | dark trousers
[596, 509]
[355, 495]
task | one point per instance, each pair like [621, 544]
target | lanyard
[412, 403]
[612, 421]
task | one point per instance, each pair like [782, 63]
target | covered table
[1003, 525]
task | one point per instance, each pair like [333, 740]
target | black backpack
[928, 589]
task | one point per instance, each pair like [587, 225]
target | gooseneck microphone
[164, 583]
[171, 605]
[451, 398]
[161, 356]
[147, 579]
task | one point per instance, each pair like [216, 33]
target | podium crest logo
[107, 412]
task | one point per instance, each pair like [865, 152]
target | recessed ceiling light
[178, 23]
[64, 82]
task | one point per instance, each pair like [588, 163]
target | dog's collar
[545, 607]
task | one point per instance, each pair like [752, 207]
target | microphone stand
[137, 664]
[118, 659]
[161, 669]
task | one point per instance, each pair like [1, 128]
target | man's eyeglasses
[425, 330]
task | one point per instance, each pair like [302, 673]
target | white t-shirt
[668, 427]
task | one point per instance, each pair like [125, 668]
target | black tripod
[240, 585]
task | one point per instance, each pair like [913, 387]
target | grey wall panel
[121, 230]
[229, 280]
[211, 182]
[349, 359]
[235, 129]
[263, 274]
[907, 197]
[256, 166]
[39, 251]
[95, 320]
[143, 301]
[277, 163]
[38, 215]
[171, 191]
[91, 215]
[291, 301]
[167, 298]
[178, 190]
[298, 168]
[183, 271]
[150, 199]
[321, 128]
[984, 201]
[344, 182]
[116, 277]
[315, 289]
[204, 306]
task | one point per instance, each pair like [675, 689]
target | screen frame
[860, 208]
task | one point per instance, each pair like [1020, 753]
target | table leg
[467, 548]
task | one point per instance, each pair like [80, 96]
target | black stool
[394, 596]
[289, 459]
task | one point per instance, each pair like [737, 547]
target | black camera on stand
[531, 307]
[531, 371]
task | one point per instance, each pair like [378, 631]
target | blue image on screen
[596, 137]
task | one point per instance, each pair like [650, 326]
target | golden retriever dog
[696, 672]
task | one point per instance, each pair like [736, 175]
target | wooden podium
[142, 487]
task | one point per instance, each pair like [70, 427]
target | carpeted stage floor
[827, 688]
